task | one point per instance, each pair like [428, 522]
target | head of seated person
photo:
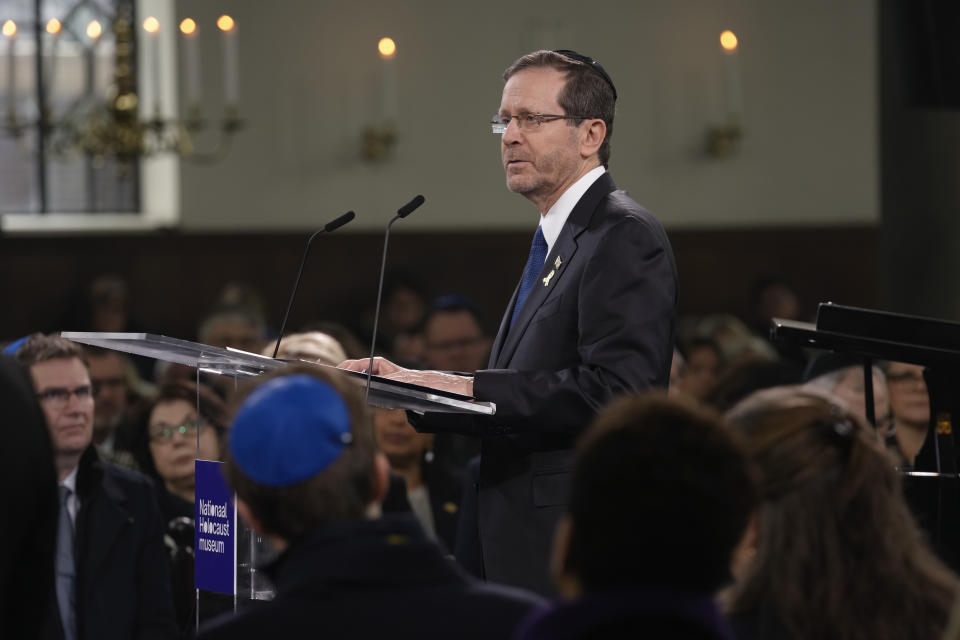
[834, 536]
[660, 498]
[302, 454]
[173, 434]
[235, 326]
[842, 376]
[312, 346]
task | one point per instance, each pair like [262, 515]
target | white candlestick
[11, 75]
[231, 67]
[390, 101]
[153, 45]
[732, 88]
[192, 62]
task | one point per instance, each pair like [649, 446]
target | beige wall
[310, 78]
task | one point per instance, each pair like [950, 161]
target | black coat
[599, 322]
[29, 505]
[629, 614]
[123, 581]
[375, 579]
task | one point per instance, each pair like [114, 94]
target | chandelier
[120, 126]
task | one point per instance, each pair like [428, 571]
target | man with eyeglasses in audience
[111, 577]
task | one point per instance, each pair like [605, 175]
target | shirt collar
[70, 482]
[552, 222]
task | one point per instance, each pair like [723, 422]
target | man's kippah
[591, 63]
[289, 429]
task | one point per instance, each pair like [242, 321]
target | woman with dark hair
[168, 441]
[837, 552]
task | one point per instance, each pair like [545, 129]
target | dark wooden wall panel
[174, 277]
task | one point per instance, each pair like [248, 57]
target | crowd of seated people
[752, 501]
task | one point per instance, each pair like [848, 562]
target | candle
[152, 26]
[731, 77]
[388, 52]
[231, 67]
[10, 31]
[191, 50]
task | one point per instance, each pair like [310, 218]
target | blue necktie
[66, 570]
[538, 253]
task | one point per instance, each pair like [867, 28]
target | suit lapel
[502, 331]
[551, 275]
[104, 516]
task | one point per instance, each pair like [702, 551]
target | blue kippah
[289, 429]
[13, 347]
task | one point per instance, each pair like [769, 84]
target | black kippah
[591, 63]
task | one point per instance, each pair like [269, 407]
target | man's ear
[381, 477]
[593, 136]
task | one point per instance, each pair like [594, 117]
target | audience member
[303, 464]
[235, 326]
[842, 376]
[29, 536]
[910, 404]
[661, 496]
[171, 436]
[312, 346]
[751, 374]
[837, 552]
[432, 492]
[454, 336]
[111, 574]
[703, 364]
[455, 339]
[114, 381]
[347, 338]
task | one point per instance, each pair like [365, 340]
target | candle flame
[151, 25]
[94, 30]
[188, 26]
[387, 47]
[728, 40]
[53, 26]
[9, 28]
[225, 23]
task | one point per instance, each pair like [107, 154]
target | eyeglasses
[528, 121]
[905, 377]
[59, 397]
[163, 433]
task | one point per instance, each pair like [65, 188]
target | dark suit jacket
[375, 579]
[123, 580]
[28, 537]
[601, 325]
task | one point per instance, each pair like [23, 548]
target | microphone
[402, 212]
[330, 226]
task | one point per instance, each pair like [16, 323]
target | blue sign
[215, 531]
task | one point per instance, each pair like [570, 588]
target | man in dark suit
[307, 477]
[111, 575]
[592, 317]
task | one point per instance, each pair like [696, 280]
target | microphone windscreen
[339, 222]
[410, 207]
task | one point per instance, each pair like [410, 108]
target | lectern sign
[215, 533]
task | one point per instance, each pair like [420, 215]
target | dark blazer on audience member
[629, 614]
[375, 579]
[123, 582]
[601, 325]
[29, 505]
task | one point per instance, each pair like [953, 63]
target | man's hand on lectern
[435, 379]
